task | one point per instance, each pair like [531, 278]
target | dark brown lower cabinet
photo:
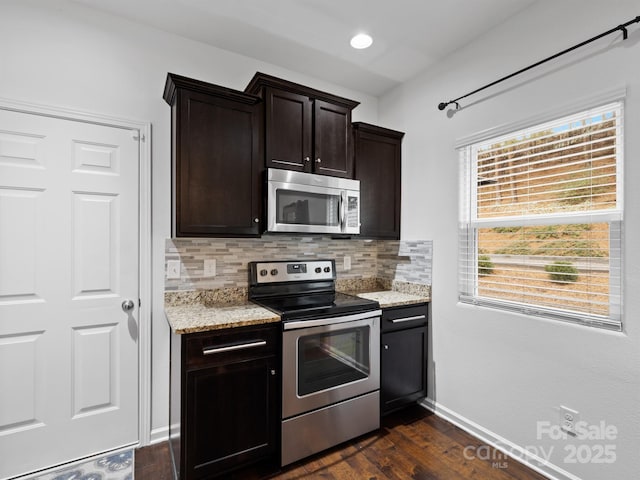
[403, 357]
[228, 403]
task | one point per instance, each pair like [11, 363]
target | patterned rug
[115, 466]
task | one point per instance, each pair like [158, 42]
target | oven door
[329, 360]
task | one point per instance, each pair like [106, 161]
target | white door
[68, 260]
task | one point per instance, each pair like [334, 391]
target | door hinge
[138, 136]
[139, 303]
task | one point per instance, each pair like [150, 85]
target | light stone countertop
[204, 310]
[388, 294]
[392, 298]
[197, 317]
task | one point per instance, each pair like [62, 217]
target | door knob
[128, 305]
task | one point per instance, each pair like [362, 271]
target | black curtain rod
[622, 27]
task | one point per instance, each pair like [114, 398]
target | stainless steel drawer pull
[408, 319]
[231, 348]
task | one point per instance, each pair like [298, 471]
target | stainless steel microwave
[308, 203]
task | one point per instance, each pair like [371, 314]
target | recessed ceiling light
[362, 40]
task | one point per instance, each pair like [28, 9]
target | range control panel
[291, 271]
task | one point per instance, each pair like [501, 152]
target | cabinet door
[403, 367]
[378, 168]
[332, 136]
[288, 130]
[217, 167]
[231, 416]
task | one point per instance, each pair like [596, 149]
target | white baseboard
[510, 449]
[159, 435]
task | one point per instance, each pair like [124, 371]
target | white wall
[501, 372]
[60, 54]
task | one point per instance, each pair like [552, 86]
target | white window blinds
[541, 219]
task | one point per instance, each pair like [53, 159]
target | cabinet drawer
[397, 318]
[233, 344]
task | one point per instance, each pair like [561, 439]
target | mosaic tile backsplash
[403, 261]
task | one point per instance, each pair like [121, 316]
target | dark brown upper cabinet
[306, 130]
[217, 159]
[378, 167]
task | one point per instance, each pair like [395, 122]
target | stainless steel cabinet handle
[256, 220]
[318, 160]
[307, 159]
[273, 372]
[230, 348]
[408, 319]
[128, 305]
[386, 347]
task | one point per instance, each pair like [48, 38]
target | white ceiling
[312, 36]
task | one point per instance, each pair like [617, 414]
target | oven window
[304, 208]
[330, 359]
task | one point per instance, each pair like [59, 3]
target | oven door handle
[293, 325]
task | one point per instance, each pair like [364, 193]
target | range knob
[274, 272]
[318, 269]
[327, 269]
[263, 273]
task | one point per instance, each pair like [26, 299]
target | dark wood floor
[412, 444]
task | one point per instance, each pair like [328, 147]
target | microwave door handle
[343, 213]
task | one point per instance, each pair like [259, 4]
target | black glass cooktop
[317, 305]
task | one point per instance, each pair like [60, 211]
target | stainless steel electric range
[330, 354]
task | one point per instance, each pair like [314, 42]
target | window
[541, 219]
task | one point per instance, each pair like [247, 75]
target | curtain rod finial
[443, 105]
